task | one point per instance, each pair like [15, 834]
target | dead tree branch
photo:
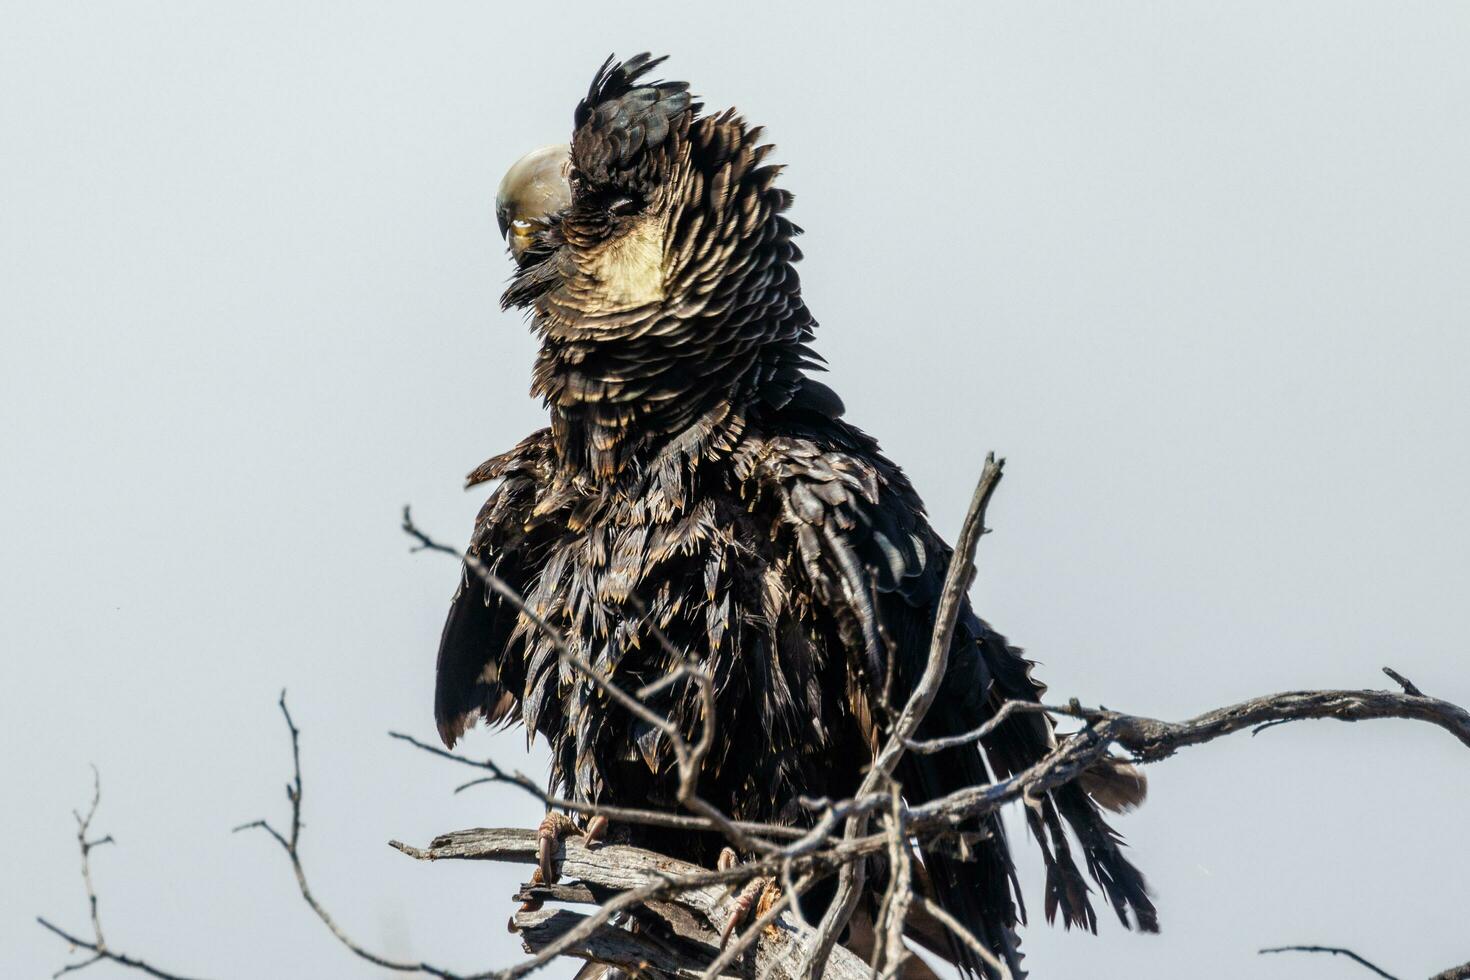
[1148, 739]
[889, 951]
[633, 877]
[1334, 950]
[967, 937]
[1461, 972]
[97, 946]
[290, 842]
[680, 910]
[620, 814]
[665, 918]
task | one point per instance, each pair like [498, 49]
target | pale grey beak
[533, 191]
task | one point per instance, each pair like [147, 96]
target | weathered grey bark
[693, 914]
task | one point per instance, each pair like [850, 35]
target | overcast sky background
[1198, 270]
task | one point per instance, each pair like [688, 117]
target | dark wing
[476, 678]
[876, 566]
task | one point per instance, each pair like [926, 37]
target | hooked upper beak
[534, 191]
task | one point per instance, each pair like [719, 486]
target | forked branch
[97, 945]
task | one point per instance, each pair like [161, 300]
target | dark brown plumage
[691, 469]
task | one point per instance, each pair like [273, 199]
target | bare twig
[951, 598]
[932, 745]
[1403, 682]
[889, 952]
[97, 946]
[1461, 972]
[966, 937]
[104, 954]
[1150, 740]
[290, 842]
[1336, 951]
[620, 814]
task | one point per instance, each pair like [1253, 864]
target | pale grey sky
[1198, 269]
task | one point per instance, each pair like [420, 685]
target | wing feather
[480, 673]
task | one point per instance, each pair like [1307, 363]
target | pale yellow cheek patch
[628, 272]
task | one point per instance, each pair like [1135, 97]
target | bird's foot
[752, 901]
[552, 831]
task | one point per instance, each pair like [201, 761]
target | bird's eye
[521, 226]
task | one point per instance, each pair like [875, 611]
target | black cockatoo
[696, 479]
